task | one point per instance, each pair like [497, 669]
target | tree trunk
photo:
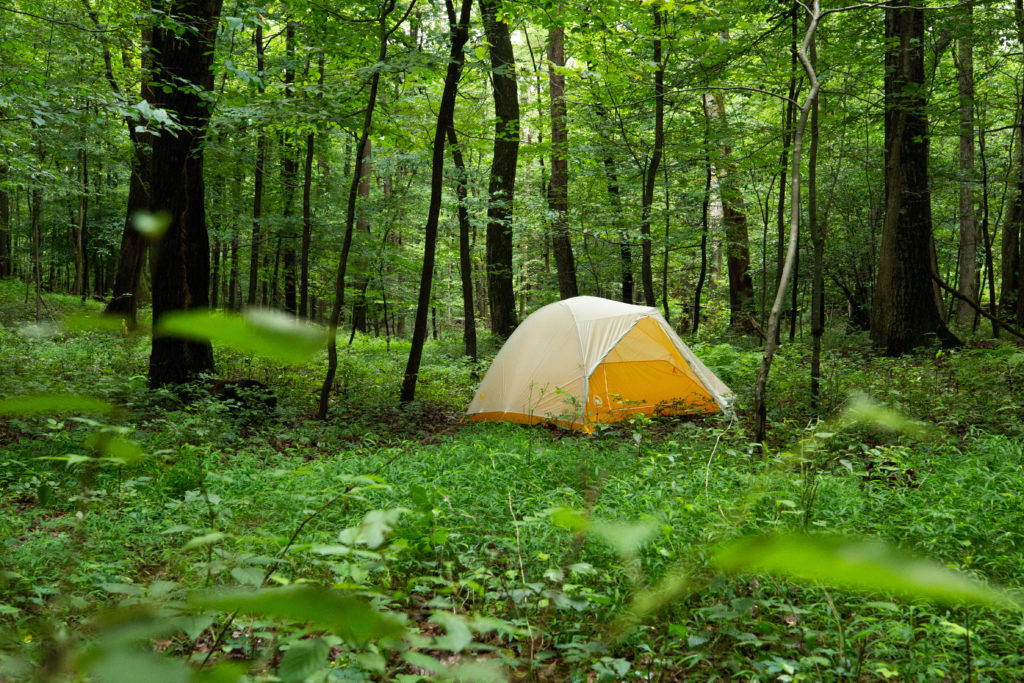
[771, 334]
[257, 190]
[651, 175]
[704, 206]
[905, 312]
[465, 257]
[734, 218]
[80, 236]
[817, 230]
[989, 270]
[558, 188]
[6, 248]
[445, 117]
[350, 215]
[215, 276]
[625, 249]
[289, 181]
[307, 220]
[131, 256]
[502, 184]
[967, 258]
[360, 264]
[181, 262]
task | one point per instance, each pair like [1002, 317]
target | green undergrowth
[492, 551]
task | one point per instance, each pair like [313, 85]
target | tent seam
[579, 345]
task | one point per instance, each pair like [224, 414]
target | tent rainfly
[587, 360]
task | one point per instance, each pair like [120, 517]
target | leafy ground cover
[167, 536]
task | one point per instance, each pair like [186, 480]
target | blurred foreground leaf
[302, 660]
[867, 566]
[345, 615]
[862, 409]
[270, 334]
[86, 322]
[152, 226]
[54, 403]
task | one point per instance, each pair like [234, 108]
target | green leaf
[859, 565]
[373, 530]
[457, 635]
[248, 576]
[303, 659]
[131, 666]
[54, 403]
[205, 539]
[85, 322]
[478, 671]
[862, 409]
[345, 615]
[625, 537]
[270, 334]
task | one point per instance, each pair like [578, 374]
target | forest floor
[498, 552]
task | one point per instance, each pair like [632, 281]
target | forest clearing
[257, 259]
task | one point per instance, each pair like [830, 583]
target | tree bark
[307, 211]
[289, 181]
[967, 258]
[445, 117]
[465, 257]
[502, 184]
[734, 218]
[257, 191]
[905, 312]
[651, 175]
[362, 236]
[817, 230]
[132, 253]
[80, 234]
[558, 188]
[6, 248]
[181, 262]
[704, 206]
[771, 334]
[350, 211]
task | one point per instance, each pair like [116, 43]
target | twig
[707, 468]
[1002, 323]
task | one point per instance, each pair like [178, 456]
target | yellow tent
[586, 359]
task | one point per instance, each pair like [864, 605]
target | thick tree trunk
[651, 175]
[558, 188]
[502, 184]
[181, 262]
[465, 257]
[131, 257]
[905, 313]
[734, 218]
[967, 258]
[445, 117]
